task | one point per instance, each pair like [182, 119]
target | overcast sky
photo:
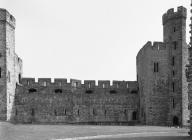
[86, 39]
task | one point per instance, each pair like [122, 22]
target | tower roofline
[5, 16]
[171, 14]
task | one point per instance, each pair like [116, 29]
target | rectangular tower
[161, 74]
[10, 64]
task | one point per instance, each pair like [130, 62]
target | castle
[158, 97]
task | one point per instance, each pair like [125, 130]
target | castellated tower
[161, 74]
[10, 64]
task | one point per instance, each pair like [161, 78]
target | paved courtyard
[85, 132]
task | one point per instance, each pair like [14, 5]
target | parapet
[7, 17]
[103, 83]
[180, 13]
[77, 84]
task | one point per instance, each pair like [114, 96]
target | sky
[86, 39]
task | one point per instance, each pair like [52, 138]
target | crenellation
[89, 84]
[170, 15]
[104, 84]
[158, 46]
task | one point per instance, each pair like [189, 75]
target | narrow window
[173, 72]
[0, 73]
[105, 112]
[19, 78]
[174, 29]
[55, 112]
[173, 103]
[78, 112]
[156, 67]
[65, 112]
[173, 86]
[175, 45]
[173, 61]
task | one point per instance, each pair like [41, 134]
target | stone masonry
[62, 102]
[161, 74]
[10, 64]
[158, 97]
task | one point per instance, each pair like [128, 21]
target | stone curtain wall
[62, 102]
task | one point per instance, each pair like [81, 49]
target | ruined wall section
[153, 83]
[74, 102]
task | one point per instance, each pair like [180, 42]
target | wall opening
[32, 112]
[134, 115]
[175, 121]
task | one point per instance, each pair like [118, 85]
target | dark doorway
[175, 121]
[32, 112]
[134, 116]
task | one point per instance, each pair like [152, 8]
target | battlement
[158, 46]
[74, 83]
[171, 14]
[5, 16]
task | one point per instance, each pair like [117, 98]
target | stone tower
[161, 74]
[174, 36]
[10, 64]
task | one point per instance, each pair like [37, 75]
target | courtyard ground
[84, 132]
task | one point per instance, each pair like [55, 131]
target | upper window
[175, 45]
[156, 67]
[174, 29]
[173, 61]
[19, 78]
[0, 72]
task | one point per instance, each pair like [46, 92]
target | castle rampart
[61, 102]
